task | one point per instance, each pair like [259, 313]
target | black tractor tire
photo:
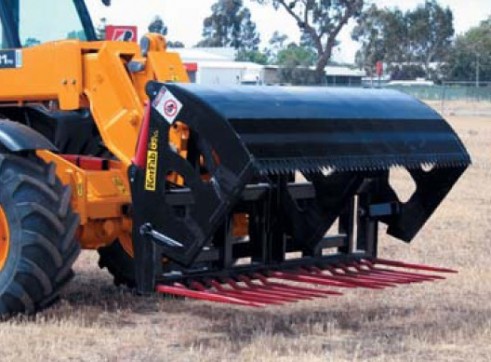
[119, 264]
[42, 234]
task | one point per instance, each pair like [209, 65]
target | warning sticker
[167, 105]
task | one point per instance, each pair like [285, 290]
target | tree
[276, 44]
[295, 63]
[320, 21]
[369, 32]
[411, 40]
[254, 56]
[74, 34]
[383, 35]
[430, 31]
[470, 57]
[30, 42]
[230, 25]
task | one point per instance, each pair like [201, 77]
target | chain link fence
[454, 98]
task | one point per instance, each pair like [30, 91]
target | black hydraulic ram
[246, 147]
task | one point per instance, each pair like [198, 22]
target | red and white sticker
[167, 105]
[122, 33]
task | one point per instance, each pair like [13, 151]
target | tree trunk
[320, 68]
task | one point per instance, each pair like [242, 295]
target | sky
[184, 18]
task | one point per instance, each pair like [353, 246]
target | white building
[217, 66]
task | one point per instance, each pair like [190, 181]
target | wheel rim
[4, 238]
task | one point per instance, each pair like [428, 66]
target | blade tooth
[293, 165]
[288, 166]
[281, 167]
[275, 169]
[311, 166]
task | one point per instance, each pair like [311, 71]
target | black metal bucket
[344, 142]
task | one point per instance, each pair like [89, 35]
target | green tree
[230, 25]
[470, 57]
[411, 40]
[431, 32]
[295, 63]
[276, 44]
[384, 36]
[320, 21]
[75, 34]
[254, 56]
[30, 42]
[370, 32]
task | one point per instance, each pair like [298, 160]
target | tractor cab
[22, 25]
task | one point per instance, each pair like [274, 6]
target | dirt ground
[445, 321]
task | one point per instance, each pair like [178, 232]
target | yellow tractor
[245, 195]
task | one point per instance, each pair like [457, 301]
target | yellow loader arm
[108, 79]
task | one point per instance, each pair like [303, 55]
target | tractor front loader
[252, 196]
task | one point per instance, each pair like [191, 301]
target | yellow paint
[73, 75]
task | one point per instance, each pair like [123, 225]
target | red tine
[384, 280]
[355, 282]
[251, 297]
[388, 277]
[308, 291]
[427, 276]
[260, 294]
[182, 291]
[264, 289]
[260, 291]
[408, 277]
[306, 277]
[365, 278]
[400, 264]
[342, 278]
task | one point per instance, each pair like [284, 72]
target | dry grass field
[445, 321]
